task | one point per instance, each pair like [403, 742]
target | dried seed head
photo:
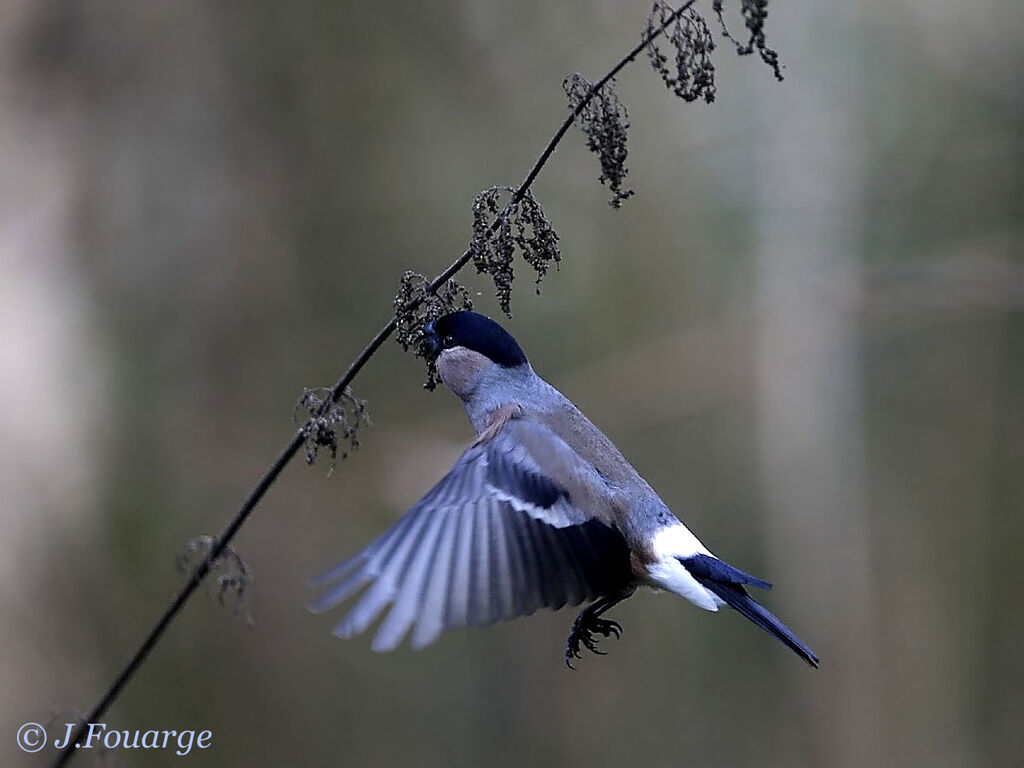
[604, 122]
[755, 14]
[228, 581]
[536, 238]
[416, 305]
[330, 424]
[694, 75]
[501, 227]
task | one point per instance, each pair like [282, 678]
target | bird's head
[468, 348]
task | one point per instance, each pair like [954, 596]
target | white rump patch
[671, 543]
[677, 541]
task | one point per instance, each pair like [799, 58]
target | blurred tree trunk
[808, 280]
[52, 389]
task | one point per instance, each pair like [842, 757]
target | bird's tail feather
[726, 583]
[736, 597]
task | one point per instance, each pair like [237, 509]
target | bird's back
[641, 510]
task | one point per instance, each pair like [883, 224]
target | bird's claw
[583, 631]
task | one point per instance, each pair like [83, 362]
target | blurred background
[805, 329]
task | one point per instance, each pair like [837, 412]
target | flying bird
[540, 511]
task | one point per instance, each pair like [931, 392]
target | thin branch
[296, 443]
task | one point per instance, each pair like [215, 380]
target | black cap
[476, 332]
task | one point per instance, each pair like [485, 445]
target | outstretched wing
[498, 537]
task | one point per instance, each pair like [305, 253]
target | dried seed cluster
[330, 424]
[501, 224]
[755, 14]
[416, 305]
[694, 75]
[604, 122]
[229, 581]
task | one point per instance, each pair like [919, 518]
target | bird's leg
[588, 623]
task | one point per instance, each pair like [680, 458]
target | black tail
[727, 583]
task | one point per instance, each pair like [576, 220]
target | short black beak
[431, 343]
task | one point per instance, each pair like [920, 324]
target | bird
[540, 511]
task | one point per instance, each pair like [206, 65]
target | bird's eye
[448, 342]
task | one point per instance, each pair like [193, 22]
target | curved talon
[584, 628]
[606, 627]
[570, 654]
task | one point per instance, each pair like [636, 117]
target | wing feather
[527, 592]
[410, 590]
[481, 597]
[430, 622]
[501, 576]
[457, 608]
[551, 580]
[519, 523]
[383, 589]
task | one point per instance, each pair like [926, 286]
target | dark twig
[299, 440]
